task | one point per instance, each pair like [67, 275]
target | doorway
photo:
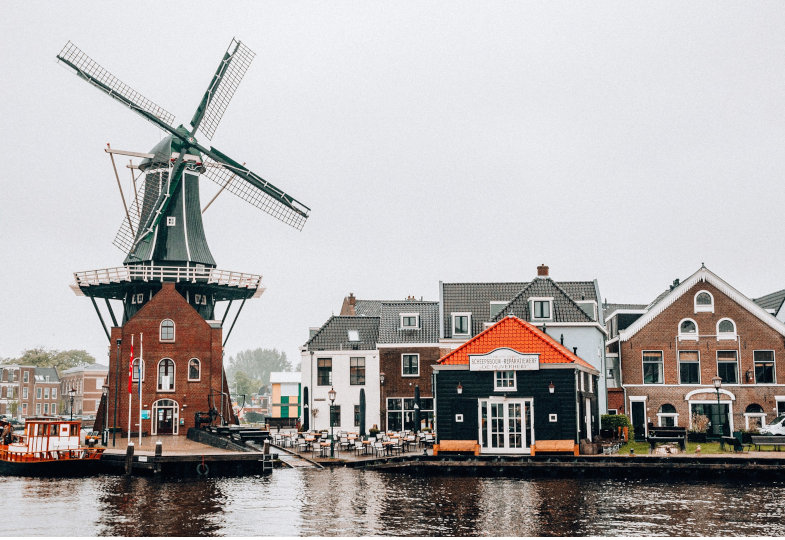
[638, 409]
[166, 417]
[506, 425]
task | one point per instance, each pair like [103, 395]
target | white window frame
[24, 393]
[39, 392]
[353, 336]
[468, 316]
[418, 365]
[38, 409]
[54, 393]
[53, 408]
[416, 325]
[660, 416]
[593, 305]
[46, 393]
[171, 221]
[726, 335]
[497, 388]
[679, 362]
[774, 361]
[158, 376]
[135, 373]
[26, 377]
[496, 303]
[549, 301]
[160, 331]
[188, 375]
[700, 308]
[689, 336]
[738, 366]
[662, 366]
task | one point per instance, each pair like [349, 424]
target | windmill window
[166, 375]
[167, 330]
[194, 369]
[171, 221]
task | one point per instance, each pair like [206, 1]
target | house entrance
[638, 409]
[506, 425]
[166, 417]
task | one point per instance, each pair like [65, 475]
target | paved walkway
[172, 444]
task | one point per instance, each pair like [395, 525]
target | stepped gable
[390, 330]
[334, 334]
[513, 333]
[564, 308]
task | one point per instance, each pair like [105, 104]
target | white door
[505, 426]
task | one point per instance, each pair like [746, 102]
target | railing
[198, 274]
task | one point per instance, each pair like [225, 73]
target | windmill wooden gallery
[166, 330]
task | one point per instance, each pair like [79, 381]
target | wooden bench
[565, 445]
[667, 434]
[774, 440]
[456, 446]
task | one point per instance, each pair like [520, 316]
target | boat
[49, 447]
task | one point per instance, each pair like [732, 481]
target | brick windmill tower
[169, 284]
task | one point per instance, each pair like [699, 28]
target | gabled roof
[41, 373]
[772, 301]
[516, 334]
[476, 298]
[334, 334]
[390, 330]
[702, 275]
[564, 308]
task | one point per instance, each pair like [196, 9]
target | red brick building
[181, 364]
[701, 329]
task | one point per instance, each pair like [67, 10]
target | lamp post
[331, 397]
[717, 383]
[116, 382]
[71, 393]
[105, 393]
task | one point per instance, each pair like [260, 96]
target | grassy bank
[642, 448]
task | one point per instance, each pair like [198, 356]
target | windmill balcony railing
[212, 276]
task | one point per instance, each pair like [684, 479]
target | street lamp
[331, 397]
[116, 391]
[717, 383]
[71, 393]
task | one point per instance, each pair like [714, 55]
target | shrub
[700, 423]
[615, 421]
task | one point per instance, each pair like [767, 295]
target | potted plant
[700, 423]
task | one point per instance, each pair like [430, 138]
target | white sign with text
[504, 359]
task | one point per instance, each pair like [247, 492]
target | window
[54, 393]
[688, 329]
[461, 323]
[726, 329]
[504, 380]
[704, 301]
[754, 417]
[410, 365]
[37, 408]
[171, 221]
[46, 393]
[335, 415]
[496, 308]
[46, 408]
[26, 377]
[138, 364]
[652, 367]
[410, 321]
[357, 370]
[541, 309]
[38, 393]
[400, 413]
[194, 369]
[167, 330]
[166, 375]
[591, 383]
[354, 335]
[24, 393]
[589, 307]
[727, 367]
[53, 408]
[689, 367]
[764, 366]
[324, 371]
[667, 416]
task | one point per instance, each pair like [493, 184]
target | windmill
[162, 234]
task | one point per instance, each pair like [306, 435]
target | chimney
[352, 299]
[347, 309]
[542, 270]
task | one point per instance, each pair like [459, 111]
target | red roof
[513, 333]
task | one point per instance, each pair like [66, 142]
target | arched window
[136, 370]
[166, 375]
[704, 301]
[726, 329]
[667, 416]
[688, 329]
[194, 369]
[754, 417]
[167, 330]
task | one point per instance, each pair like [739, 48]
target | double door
[506, 425]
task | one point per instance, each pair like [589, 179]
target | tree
[251, 369]
[61, 360]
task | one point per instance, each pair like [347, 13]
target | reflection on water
[342, 502]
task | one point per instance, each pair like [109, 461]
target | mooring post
[129, 458]
[267, 447]
[159, 450]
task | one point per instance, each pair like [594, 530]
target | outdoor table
[324, 449]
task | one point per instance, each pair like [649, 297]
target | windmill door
[165, 417]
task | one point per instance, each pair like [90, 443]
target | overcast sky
[454, 141]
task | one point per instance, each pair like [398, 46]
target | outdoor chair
[378, 448]
[359, 447]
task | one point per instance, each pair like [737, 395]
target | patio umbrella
[306, 411]
[416, 408]
[362, 412]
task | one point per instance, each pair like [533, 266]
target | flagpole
[141, 353]
[130, 385]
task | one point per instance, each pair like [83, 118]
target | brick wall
[395, 384]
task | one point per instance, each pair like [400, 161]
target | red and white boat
[49, 447]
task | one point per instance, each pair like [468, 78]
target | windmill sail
[93, 73]
[224, 84]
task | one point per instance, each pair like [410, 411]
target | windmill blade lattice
[233, 66]
[91, 71]
[148, 190]
[228, 180]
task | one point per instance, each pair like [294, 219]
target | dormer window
[541, 309]
[704, 302]
[461, 323]
[354, 335]
[167, 330]
[726, 329]
[496, 308]
[688, 329]
[410, 321]
[589, 307]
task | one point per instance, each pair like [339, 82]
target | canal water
[347, 502]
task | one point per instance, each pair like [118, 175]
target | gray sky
[454, 141]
